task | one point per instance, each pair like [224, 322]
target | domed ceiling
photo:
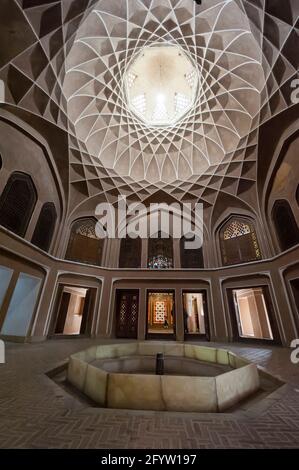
[154, 95]
[147, 143]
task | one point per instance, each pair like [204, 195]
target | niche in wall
[17, 203]
[285, 225]
[84, 246]
[130, 253]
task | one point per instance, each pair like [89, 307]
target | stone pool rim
[168, 392]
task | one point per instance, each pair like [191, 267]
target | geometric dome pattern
[65, 66]
[219, 41]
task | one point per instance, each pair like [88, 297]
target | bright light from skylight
[161, 85]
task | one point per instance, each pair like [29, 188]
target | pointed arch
[17, 203]
[285, 224]
[238, 241]
[84, 246]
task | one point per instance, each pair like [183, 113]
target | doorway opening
[252, 314]
[160, 315]
[127, 308]
[195, 315]
[73, 313]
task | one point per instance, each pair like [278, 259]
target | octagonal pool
[196, 378]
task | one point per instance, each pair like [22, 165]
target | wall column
[142, 315]
[33, 221]
[218, 323]
[176, 253]
[285, 320]
[42, 322]
[144, 250]
[111, 252]
[179, 321]
[105, 320]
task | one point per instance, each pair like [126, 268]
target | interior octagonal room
[126, 126]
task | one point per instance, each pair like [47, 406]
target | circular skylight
[161, 85]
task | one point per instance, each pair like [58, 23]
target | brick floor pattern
[36, 413]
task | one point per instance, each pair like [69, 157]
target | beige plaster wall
[284, 186]
[20, 153]
[215, 282]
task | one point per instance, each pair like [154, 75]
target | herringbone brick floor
[35, 412]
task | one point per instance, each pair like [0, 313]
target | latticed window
[85, 228]
[236, 229]
[238, 242]
[84, 245]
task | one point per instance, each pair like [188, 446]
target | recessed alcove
[165, 103]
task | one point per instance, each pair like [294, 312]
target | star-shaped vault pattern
[67, 61]
[218, 39]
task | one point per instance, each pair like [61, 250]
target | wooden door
[127, 305]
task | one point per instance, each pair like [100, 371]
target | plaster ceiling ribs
[66, 61]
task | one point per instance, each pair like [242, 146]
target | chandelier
[160, 262]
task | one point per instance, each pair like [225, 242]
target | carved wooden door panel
[127, 304]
